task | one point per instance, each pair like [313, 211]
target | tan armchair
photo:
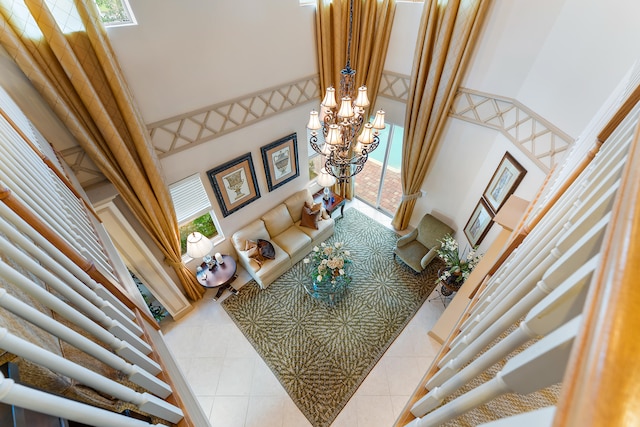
[419, 247]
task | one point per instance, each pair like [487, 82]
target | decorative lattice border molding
[395, 86]
[86, 171]
[185, 131]
[539, 139]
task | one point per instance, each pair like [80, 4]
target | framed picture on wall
[280, 160]
[234, 184]
[479, 224]
[504, 182]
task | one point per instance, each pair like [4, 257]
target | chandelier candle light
[348, 140]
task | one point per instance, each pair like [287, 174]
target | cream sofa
[291, 241]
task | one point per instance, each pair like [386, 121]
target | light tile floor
[237, 389]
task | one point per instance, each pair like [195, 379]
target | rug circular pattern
[321, 354]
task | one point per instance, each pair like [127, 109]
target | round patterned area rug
[321, 354]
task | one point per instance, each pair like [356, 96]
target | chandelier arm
[374, 144]
[313, 141]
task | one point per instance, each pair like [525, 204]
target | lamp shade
[333, 136]
[378, 121]
[366, 137]
[362, 100]
[329, 100]
[346, 109]
[314, 121]
[326, 149]
[198, 245]
[324, 179]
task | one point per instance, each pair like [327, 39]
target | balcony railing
[549, 337]
[67, 321]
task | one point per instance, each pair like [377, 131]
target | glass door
[378, 184]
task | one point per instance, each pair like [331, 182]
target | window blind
[189, 197]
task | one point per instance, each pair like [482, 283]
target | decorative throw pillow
[266, 249]
[250, 244]
[253, 252]
[310, 216]
[323, 212]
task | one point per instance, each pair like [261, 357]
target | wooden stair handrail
[600, 386]
[89, 267]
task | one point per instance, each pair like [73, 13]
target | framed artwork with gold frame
[234, 184]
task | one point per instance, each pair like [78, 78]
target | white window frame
[127, 9]
[190, 201]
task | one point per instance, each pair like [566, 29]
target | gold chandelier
[348, 140]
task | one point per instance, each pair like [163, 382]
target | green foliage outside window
[203, 224]
[312, 170]
[113, 12]
[315, 166]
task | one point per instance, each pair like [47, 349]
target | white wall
[190, 54]
[404, 36]
[208, 155]
[561, 58]
[586, 53]
[181, 57]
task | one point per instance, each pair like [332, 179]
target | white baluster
[134, 373]
[554, 306]
[538, 366]
[538, 418]
[50, 404]
[144, 401]
[114, 308]
[74, 290]
[587, 234]
[122, 348]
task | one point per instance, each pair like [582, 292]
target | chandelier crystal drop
[348, 139]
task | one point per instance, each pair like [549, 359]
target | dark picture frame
[505, 179]
[234, 184]
[479, 223]
[280, 159]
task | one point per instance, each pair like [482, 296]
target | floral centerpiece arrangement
[329, 263]
[458, 266]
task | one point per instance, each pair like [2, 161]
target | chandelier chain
[348, 67]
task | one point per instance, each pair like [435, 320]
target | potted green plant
[458, 266]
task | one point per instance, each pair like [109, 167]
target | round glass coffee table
[219, 276]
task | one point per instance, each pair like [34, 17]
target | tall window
[379, 182]
[115, 12]
[193, 209]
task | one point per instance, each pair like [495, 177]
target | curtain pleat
[372, 21]
[79, 76]
[446, 37]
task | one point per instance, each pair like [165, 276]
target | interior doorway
[378, 184]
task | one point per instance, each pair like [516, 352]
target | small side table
[220, 276]
[335, 201]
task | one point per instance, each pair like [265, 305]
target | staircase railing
[549, 337]
[65, 310]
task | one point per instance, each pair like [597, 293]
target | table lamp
[199, 246]
[325, 180]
